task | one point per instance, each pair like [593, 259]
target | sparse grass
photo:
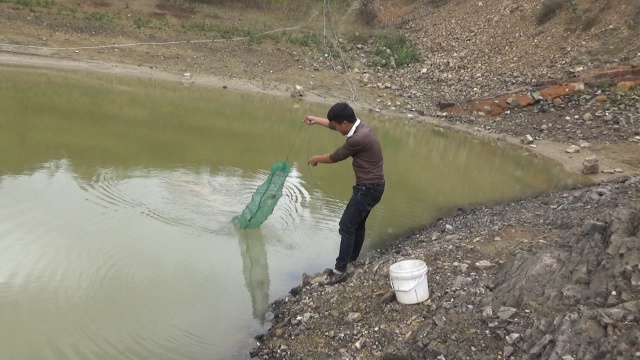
[140, 22]
[258, 37]
[63, 10]
[32, 4]
[549, 10]
[291, 8]
[253, 36]
[306, 39]
[151, 23]
[438, 3]
[98, 16]
[199, 26]
[176, 8]
[205, 27]
[331, 50]
[102, 3]
[399, 48]
[25, 3]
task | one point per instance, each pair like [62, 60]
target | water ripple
[179, 198]
[294, 195]
[106, 190]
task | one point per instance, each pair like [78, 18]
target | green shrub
[399, 48]
[97, 16]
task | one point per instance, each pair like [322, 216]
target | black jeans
[352, 223]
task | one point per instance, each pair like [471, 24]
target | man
[363, 147]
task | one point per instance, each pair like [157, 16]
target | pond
[117, 195]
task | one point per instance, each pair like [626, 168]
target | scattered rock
[484, 264]
[573, 149]
[298, 91]
[550, 297]
[590, 165]
[527, 139]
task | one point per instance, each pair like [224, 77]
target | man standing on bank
[363, 146]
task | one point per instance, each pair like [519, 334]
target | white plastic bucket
[409, 281]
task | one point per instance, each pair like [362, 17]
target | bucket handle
[411, 287]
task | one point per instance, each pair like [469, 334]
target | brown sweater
[363, 146]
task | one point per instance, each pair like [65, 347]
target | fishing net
[265, 198]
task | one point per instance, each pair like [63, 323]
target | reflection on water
[255, 269]
[117, 195]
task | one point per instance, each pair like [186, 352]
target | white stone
[297, 91]
[484, 264]
[573, 149]
[512, 338]
[527, 139]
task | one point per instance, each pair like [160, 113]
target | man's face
[343, 128]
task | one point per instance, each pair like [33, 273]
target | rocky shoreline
[553, 277]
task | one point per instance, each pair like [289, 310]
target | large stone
[527, 140]
[590, 165]
[573, 149]
[591, 227]
[505, 312]
[553, 92]
[625, 85]
[298, 91]
[367, 78]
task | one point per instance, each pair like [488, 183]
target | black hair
[341, 112]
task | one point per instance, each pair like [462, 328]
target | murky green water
[116, 198]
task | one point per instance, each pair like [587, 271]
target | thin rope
[346, 78]
[327, 8]
[314, 184]
[294, 141]
[270, 179]
[156, 43]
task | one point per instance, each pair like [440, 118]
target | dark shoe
[336, 277]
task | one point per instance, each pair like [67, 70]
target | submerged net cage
[265, 198]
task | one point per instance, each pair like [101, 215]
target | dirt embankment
[552, 277]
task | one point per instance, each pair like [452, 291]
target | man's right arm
[311, 120]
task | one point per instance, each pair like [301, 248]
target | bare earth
[551, 277]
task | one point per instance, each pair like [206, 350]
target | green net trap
[265, 198]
